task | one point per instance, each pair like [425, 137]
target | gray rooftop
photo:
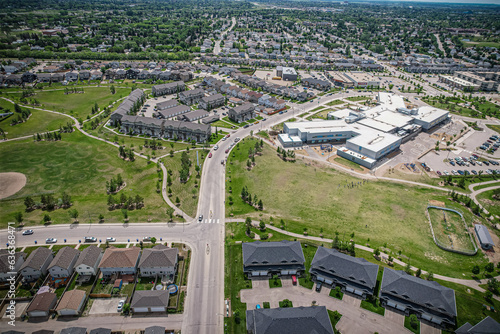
[430, 294]
[37, 258]
[64, 257]
[4, 259]
[150, 298]
[483, 234]
[158, 257]
[351, 268]
[193, 92]
[244, 108]
[167, 113]
[295, 320]
[155, 330]
[89, 256]
[74, 330]
[168, 103]
[212, 97]
[272, 253]
[486, 326]
[100, 330]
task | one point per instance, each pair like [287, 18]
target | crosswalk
[209, 221]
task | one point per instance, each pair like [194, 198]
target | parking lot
[149, 107]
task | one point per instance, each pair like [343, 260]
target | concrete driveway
[259, 283]
[426, 329]
[394, 317]
[105, 306]
[354, 319]
[20, 307]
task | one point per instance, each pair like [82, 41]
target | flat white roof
[430, 114]
[373, 140]
[286, 138]
[391, 101]
[378, 125]
[342, 113]
[319, 126]
[394, 118]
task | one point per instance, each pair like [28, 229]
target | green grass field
[188, 200]
[39, 121]
[357, 98]
[77, 105]
[494, 127]
[335, 103]
[449, 230]
[80, 166]
[314, 197]
[489, 203]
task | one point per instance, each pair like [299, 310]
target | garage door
[263, 273]
[38, 314]
[158, 309]
[293, 272]
[320, 279]
[255, 273]
[140, 310]
[358, 292]
[328, 281]
[284, 272]
[349, 289]
[67, 312]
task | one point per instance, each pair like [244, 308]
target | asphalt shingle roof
[120, 257]
[64, 257]
[295, 320]
[158, 257]
[351, 268]
[268, 253]
[37, 258]
[42, 302]
[89, 256]
[4, 260]
[71, 300]
[150, 298]
[74, 330]
[426, 293]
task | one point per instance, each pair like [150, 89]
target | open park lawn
[316, 199]
[187, 192]
[76, 104]
[80, 166]
[38, 122]
[489, 202]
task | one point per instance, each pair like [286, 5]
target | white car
[110, 239]
[120, 305]
[479, 163]
[446, 173]
[216, 147]
[28, 232]
[50, 240]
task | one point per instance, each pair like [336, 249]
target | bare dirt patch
[11, 183]
[437, 203]
[303, 152]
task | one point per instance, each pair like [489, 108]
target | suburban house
[242, 113]
[63, 263]
[268, 258]
[74, 330]
[5, 264]
[36, 264]
[120, 261]
[42, 304]
[316, 83]
[71, 76]
[100, 330]
[312, 319]
[154, 330]
[353, 275]
[484, 237]
[485, 326]
[159, 261]
[71, 303]
[88, 261]
[146, 301]
[427, 299]
[191, 96]
[212, 101]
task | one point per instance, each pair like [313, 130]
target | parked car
[318, 286]
[146, 239]
[200, 218]
[216, 147]
[120, 305]
[28, 232]
[110, 239]
[50, 240]
[294, 280]
[90, 239]
[227, 151]
[210, 154]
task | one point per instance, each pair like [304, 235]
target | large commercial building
[458, 83]
[286, 73]
[367, 136]
[353, 79]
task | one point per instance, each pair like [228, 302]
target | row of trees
[246, 196]
[467, 201]
[124, 202]
[344, 246]
[73, 90]
[185, 165]
[286, 155]
[22, 115]
[48, 202]
[48, 136]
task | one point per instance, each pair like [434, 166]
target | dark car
[318, 287]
